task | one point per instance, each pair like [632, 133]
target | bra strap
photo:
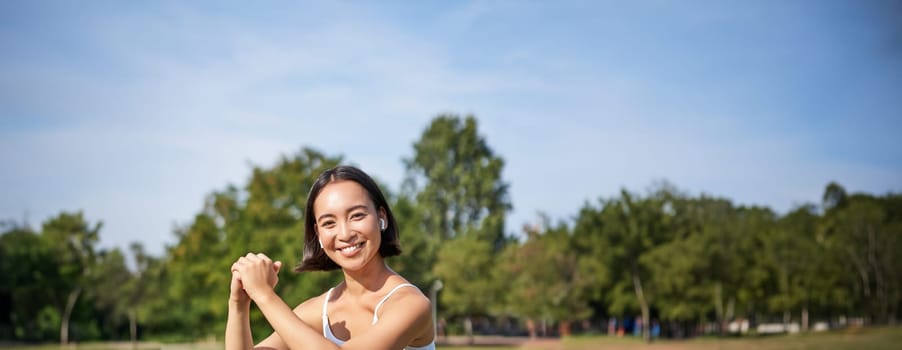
[376, 310]
[325, 308]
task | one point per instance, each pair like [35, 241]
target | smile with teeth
[351, 248]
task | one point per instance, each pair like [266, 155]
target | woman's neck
[369, 279]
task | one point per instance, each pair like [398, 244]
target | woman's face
[347, 224]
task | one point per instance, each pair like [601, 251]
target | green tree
[630, 227]
[151, 292]
[72, 239]
[677, 275]
[111, 280]
[786, 251]
[455, 180]
[715, 226]
[419, 248]
[138, 290]
[465, 265]
[865, 230]
[29, 285]
[543, 277]
[756, 276]
[119, 292]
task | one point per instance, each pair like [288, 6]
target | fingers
[255, 257]
[252, 258]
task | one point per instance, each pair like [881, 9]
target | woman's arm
[238, 331]
[258, 277]
[308, 312]
[238, 328]
[407, 317]
[289, 328]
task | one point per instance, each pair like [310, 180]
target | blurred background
[651, 168]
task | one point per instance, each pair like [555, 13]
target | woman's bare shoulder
[408, 309]
[310, 310]
[407, 298]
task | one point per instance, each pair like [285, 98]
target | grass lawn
[876, 338]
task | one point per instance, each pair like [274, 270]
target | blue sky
[133, 112]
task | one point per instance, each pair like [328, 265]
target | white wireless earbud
[382, 224]
[321, 244]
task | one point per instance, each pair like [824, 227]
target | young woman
[348, 226]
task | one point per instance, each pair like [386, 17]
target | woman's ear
[384, 217]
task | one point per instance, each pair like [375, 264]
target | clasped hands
[253, 275]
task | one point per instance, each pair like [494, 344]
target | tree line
[662, 256]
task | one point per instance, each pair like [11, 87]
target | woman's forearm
[294, 332]
[238, 327]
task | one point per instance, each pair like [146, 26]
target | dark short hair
[315, 258]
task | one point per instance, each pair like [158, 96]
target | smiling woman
[349, 226]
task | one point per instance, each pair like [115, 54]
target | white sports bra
[327, 331]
